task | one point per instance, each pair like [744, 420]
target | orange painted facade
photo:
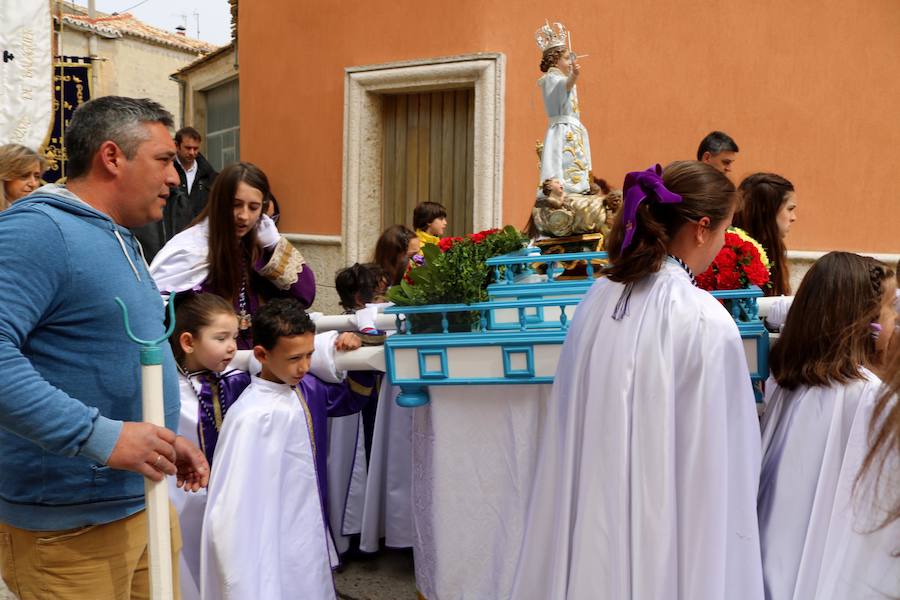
[808, 89]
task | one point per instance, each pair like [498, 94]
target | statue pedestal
[574, 269]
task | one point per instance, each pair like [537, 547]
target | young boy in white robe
[264, 529]
[645, 487]
[820, 401]
[212, 374]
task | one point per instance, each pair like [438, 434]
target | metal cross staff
[159, 542]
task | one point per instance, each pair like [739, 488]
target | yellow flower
[748, 238]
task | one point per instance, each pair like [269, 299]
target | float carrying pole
[156, 493]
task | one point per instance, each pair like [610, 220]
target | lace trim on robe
[285, 266]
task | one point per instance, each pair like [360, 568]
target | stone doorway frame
[363, 137]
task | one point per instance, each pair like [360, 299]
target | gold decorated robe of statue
[567, 151]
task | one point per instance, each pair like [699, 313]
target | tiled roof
[200, 60]
[116, 26]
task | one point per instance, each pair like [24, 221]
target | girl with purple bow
[647, 473]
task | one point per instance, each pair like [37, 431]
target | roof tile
[114, 26]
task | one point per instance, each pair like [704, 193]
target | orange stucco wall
[808, 89]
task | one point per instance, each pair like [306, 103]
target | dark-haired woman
[232, 249]
[819, 539]
[768, 210]
[647, 473]
[396, 246]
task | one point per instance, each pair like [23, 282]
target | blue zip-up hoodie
[69, 376]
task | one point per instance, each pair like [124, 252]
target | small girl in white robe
[820, 400]
[204, 346]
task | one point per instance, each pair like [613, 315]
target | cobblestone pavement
[385, 576]
[388, 575]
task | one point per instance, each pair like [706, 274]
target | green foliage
[454, 272]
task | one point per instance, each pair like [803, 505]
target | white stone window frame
[364, 87]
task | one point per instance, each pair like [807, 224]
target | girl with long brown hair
[395, 248]
[234, 250]
[883, 454]
[648, 468]
[768, 209]
[823, 386]
[868, 542]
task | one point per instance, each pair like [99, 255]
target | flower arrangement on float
[740, 263]
[454, 271]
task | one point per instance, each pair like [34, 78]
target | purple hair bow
[640, 186]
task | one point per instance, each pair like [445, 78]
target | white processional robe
[388, 509]
[817, 533]
[189, 506]
[347, 469]
[264, 534]
[346, 464]
[648, 469]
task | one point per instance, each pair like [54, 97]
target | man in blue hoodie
[73, 452]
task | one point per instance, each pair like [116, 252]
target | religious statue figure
[570, 201]
[566, 153]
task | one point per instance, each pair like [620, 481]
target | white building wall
[132, 67]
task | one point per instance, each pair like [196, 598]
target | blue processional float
[521, 328]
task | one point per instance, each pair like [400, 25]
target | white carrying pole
[159, 539]
[349, 323]
[156, 493]
[367, 358]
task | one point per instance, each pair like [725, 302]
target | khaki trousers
[98, 562]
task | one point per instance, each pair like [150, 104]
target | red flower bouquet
[477, 238]
[739, 264]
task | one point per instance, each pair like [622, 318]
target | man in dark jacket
[187, 199]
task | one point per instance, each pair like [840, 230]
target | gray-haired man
[72, 449]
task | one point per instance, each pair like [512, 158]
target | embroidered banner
[72, 88]
[25, 56]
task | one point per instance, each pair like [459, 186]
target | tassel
[621, 309]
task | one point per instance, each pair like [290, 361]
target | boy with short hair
[429, 221]
[265, 532]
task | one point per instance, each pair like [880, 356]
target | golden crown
[551, 35]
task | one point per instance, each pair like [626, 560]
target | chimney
[180, 30]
